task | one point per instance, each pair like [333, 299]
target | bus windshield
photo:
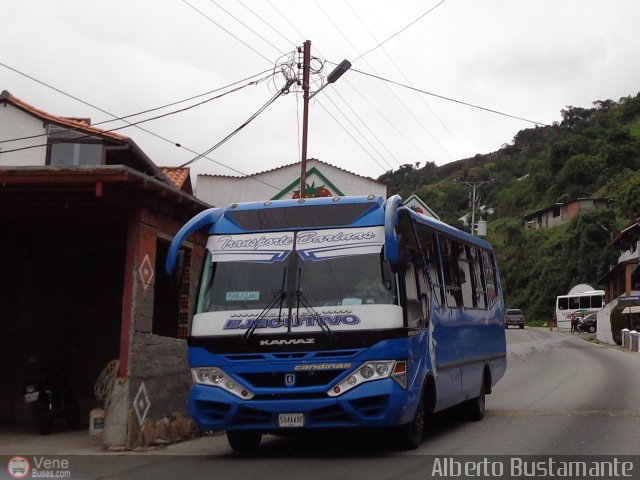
[346, 280]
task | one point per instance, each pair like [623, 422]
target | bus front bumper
[382, 403]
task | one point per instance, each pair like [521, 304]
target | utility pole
[306, 90]
[473, 184]
[306, 66]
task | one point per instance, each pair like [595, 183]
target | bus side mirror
[403, 260]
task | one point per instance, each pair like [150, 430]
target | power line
[244, 25]
[356, 128]
[282, 91]
[398, 99]
[332, 116]
[444, 98]
[352, 137]
[131, 124]
[395, 64]
[400, 31]
[350, 84]
[370, 130]
[266, 23]
[137, 126]
[247, 45]
[226, 31]
[123, 118]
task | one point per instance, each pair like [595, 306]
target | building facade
[86, 220]
[322, 180]
[561, 213]
[622, 287]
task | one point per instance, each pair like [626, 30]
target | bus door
[448, 330]
[442, 354]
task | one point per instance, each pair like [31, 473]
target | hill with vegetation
[592, 152]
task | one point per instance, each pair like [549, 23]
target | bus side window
[451, 269]
[427, 241]
[574, 303]
[412, 284]
[585, 302]
[479, 292]
[490, 277]
[464, 265]
[563, 303]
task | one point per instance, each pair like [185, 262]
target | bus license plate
[290, 420]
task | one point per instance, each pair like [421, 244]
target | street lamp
[335, 74]
[331, 78]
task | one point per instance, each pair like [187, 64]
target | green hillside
[592, 152]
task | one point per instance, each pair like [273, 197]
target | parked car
[588, 323]
[514, 316]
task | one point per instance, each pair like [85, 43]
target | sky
[420, 69]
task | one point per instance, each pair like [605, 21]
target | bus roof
[301, 213]
[450, 230]
[588, 293]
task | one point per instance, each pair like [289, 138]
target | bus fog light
[352, 380]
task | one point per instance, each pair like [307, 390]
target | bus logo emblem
[290, 379]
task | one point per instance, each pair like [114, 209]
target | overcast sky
[524, 58]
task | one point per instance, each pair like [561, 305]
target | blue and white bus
[339, 312]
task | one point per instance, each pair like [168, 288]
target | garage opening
[60, 308]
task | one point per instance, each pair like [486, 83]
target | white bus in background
[581, 299]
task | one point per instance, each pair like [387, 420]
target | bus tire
[476, 406]
[244, 440]
[409, 435]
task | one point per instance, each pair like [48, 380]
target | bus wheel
[476, 406]
[244, 440]
[409, 435]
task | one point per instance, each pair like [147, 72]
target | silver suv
[514, 316]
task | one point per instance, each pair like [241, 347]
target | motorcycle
[51, 398]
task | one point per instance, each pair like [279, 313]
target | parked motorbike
[50, 398]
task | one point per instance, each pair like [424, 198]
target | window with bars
[171, 300]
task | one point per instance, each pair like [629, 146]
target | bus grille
[302, 379]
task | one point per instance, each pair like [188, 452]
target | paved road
[561, 396]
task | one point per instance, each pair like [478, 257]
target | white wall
[221, 191]
[604, 333]
[14, 123]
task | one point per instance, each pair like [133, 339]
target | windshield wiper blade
[278, 297]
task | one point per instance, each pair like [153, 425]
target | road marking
[563, 413]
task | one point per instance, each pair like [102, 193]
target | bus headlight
[214, 377]
[370, 371]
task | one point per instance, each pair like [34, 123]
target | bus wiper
[277, 298]
[301, 299]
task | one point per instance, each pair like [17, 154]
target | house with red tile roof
[86, 218]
